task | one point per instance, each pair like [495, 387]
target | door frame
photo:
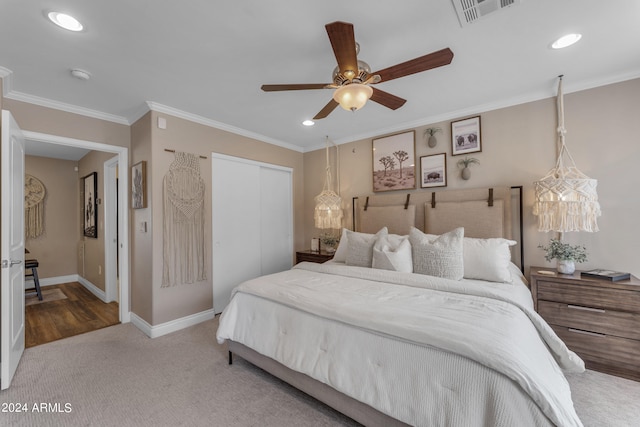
[110, 229]
[123, 209]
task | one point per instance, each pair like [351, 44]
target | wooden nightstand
[310, 256]
[598, 319]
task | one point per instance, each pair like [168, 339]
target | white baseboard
[154, 331]
[93, 289]
[50, 281]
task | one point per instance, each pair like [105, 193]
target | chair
[32, 264]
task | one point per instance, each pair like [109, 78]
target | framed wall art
[465, 136]
[90, 205]
[433, 171]
[139, 185]
[394, 162]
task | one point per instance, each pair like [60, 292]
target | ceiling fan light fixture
[352, 97]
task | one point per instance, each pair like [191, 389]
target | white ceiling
[206, 60]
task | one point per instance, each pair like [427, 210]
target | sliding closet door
[251, 223]
[276, 231]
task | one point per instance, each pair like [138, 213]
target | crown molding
[69, 108]
[7, 80]
[481, 108]
[218, 125]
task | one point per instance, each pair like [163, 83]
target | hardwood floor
[78, 313]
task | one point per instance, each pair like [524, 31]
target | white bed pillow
[487, 259]
[440, 256]
[393, 252]
[360, 247]
[341, 252]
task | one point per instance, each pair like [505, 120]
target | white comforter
[481, 323]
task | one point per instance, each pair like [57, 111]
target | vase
[432, 141]
[466, 173]
[566, 266]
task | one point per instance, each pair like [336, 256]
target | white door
[276, 232]
[12, 249]
[252, 227]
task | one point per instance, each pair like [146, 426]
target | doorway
[116, 219]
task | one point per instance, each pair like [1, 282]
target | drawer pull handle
[578, 331]
[578, 307]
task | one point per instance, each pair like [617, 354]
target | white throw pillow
[393, 252]
[440, 256]
[360, 247]
[487, 259]
[341, 252]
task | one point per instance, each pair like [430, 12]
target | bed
[422, 318]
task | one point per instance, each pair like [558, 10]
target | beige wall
[141, 243]
[35, 118]
[45, 120]
[518, 147]
[56, 248]
[91, 250]
[182, 135]
[158, 305]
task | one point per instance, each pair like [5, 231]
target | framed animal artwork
[433, 171]
[465, 136]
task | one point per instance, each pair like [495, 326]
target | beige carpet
[118, 377]
[47, 295]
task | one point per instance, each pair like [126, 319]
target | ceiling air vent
[470, 11]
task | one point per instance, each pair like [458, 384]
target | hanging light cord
[562, 149]
[327, 183]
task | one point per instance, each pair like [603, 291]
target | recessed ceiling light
[65, 21]
[308, 123]
[566, 41]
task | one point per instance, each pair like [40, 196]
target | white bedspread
[481, 323]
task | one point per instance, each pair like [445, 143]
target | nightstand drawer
[605, 349]
[589, 296]
[609, 322]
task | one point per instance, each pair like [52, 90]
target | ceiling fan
[352, 78]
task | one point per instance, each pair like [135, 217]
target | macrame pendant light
[328, 211]
[565, 199]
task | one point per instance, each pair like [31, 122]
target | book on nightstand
[599, 273]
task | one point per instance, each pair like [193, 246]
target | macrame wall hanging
[34, 195]
[183, 231]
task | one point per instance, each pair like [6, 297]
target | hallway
[69, 309]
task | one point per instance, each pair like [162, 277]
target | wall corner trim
[155, 331]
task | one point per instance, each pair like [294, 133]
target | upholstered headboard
[483, 212]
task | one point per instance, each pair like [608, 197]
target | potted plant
[464, 164]
[329, 242]
[432, 141]
[566, 255]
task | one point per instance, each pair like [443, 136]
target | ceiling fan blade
[423, 63]
[343, 42]
[387, 99]
[275, 88]
[326, 110]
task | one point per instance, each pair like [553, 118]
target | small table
[314, 256]
[596, 318]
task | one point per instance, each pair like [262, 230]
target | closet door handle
[578, 307]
